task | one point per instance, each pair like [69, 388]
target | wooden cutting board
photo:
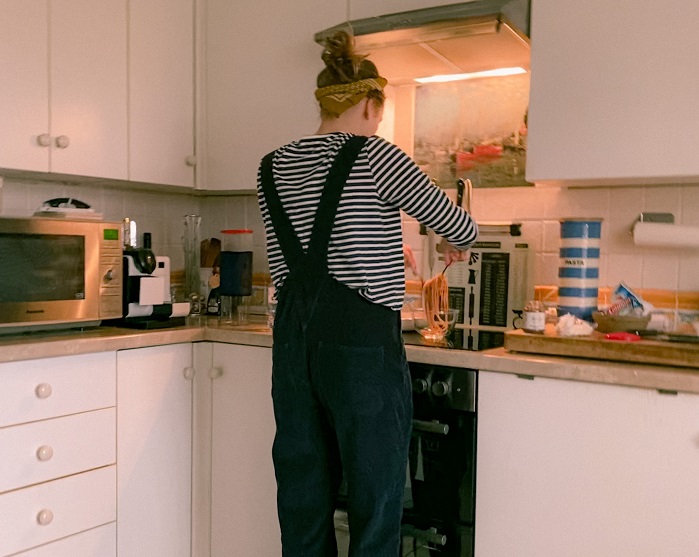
[596, 347]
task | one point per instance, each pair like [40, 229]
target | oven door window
[41, 268]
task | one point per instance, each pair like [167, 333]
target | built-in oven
[440, 488]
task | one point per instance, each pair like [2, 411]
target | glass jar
[534, 317]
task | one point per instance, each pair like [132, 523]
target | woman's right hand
[451, 253]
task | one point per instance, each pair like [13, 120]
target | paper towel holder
[667, 218]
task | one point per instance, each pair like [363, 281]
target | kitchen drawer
[49, 449]
[98, 542]
[65, 507]
[47, 388]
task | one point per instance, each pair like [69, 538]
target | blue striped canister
[578, 271]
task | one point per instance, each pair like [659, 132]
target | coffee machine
[146, 300]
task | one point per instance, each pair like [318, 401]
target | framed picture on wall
[473, 129]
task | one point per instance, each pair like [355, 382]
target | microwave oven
[59, 273]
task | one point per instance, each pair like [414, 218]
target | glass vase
[192, 254]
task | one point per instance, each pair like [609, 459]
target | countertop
[53, 344]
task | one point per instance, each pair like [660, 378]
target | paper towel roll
[658, 234]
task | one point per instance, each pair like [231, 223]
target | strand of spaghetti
[435, 300]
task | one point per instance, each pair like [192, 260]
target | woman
[341, 390]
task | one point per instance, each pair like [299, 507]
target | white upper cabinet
[360, 9]
[614, 92]
[87, 53]
[98, 88]
[161, 92]
[261, 64]
[24, 86]
[63, 96]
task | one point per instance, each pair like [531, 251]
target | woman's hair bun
[340, 58]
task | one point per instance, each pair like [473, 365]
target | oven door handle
[430, 427]
[429, 536]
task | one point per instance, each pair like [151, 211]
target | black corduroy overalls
[341, 392]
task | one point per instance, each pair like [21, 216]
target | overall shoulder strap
[291, 247]
[329, 201]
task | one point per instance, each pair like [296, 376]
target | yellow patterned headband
[338, 98]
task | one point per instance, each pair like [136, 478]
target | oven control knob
[420, 386]
[440, 388]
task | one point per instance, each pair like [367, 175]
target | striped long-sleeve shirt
[366, 245]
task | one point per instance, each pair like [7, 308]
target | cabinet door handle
[43, 390]
[189, 373]
[44, 453]
[190, 160]
[62, 141]
[43, 140]
[44, 517]
[215, 372]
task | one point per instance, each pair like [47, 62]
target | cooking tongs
[462, 187]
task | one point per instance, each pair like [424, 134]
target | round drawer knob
[44, 517]
[43, 390]
[44, 453]
[43, 140]
[62, 141]
[189, 373]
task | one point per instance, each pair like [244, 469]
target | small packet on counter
[626, 302]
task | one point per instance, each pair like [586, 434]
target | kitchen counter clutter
[526, 363]
[677, 350]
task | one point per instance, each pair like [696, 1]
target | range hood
[457, 38]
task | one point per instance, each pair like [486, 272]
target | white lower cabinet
[49, 511]
[41, 451]
[235, 415]
[244, 489]
[154, 448]
[578, 469]
[98, 542]
[57, 455]
[33, 390]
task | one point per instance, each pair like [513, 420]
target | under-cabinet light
[473, 75]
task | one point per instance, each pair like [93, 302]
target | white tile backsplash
[538, 208]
